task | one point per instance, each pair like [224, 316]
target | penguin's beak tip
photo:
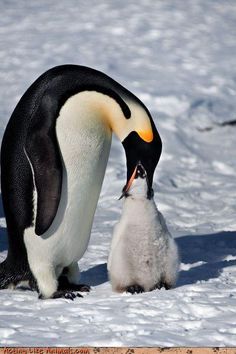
[122, 195]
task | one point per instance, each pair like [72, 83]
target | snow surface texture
[179, 58]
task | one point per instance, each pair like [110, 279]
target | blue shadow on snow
[96, 275]
[212, 249]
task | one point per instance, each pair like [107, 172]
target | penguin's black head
[146, 154]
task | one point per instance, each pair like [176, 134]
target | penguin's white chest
[84, 140]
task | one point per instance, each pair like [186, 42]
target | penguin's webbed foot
[64, 284]
[162, 284]
[135, 289]
[62, 294]
[167, 286]
[65, 294]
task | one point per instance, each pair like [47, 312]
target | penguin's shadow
[96, 275]
[204, 256]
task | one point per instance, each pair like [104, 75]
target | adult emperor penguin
[53, 159]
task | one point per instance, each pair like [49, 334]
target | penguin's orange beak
[128, 185]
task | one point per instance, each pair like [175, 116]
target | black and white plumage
[143, 254]
[53, 159]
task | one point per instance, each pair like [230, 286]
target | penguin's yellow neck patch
[146, 135]
[138, 122]
[95, 105]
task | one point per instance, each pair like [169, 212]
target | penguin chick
[143, 254]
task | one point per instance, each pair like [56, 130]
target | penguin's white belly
[84, 140]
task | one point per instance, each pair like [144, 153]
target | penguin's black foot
[135, 289]
[160, 285]
[65, 294]
[62, 294]
[64, 284]
[167, 286]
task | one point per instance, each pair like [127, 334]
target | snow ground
[179, 58]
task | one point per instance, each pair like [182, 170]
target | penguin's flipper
[44, 157]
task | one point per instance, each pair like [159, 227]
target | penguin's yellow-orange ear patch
[146, 135]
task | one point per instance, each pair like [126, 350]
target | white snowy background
[179, 57]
